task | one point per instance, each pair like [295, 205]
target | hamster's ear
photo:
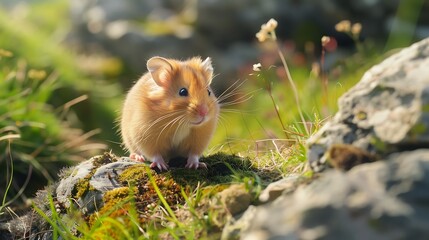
[159, 68]
[208, 68]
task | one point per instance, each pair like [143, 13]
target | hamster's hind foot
[194, 162]
[137, 157]
[158, 162]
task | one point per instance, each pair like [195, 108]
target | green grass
[39, 40]
[35, 140]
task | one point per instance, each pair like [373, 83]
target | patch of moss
[114, 204]
[104, 159]
[116, 195]
[425, 108]
[117, 206]
[361, 115]
[379, 145]
[83, 185]
[221, 168]
[418, 129]
[134, 174]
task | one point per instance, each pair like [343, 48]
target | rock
[386, 112]
[235, 198]
[238, 224]
[282, 186]
[66, 186]
[382, 200]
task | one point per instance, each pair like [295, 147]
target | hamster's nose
[202, 110]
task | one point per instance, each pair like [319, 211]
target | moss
[425, 108]
[114, 203]
[379, 145]
[221, 168]
[134, 174]
[104, 159]
[117, 205]
[418, 129]
[116, 195]
[361, 115]
[81, 188]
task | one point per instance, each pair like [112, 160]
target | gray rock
[381, 200]
[387, 111]
[282, 186]
[66, 186]
[238, 224]
[104, 179]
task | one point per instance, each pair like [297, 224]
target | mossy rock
[107, 191]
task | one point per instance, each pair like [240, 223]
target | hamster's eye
[183, 92]
[209, 92]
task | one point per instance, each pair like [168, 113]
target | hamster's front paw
[137, 157]
[194, 162]
[158, 162]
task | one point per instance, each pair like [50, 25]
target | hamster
[170, 111]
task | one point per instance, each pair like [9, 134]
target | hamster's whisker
[222, 119]
[149, 127]
[169, 124]
[180, 125]
[239, 100]
[230, 110]
[241, 96]
[236, 85]
[152, 123]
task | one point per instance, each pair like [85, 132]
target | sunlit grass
[36, 140]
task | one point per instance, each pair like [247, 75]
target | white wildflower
[257, 67]
[325, 40]
[266, 29]
[356, 29]
[343, 26]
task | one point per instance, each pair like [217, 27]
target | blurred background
[66, 66]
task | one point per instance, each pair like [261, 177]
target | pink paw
[158, 162]
[194, 162]
[137, 157]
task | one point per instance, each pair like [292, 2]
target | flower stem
[289, 77]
